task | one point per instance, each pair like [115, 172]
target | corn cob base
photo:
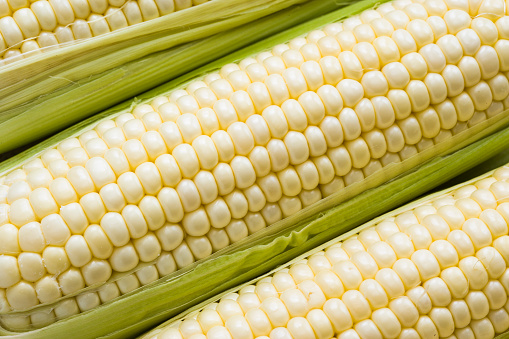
[435, 268]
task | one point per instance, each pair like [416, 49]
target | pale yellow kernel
[469, 40]
[364, 32]
[96, 271]
[45, 15]
[66, 308]
[21, 296]
[81, 180]
[387, 322]
[152, 121]
[128, 283]
[310, 51]
[64, 34]
[367, 55]
[316, 141]
[277, 88]
[147, 247]
[71, 281]
[478, 304]
[350, 63]
[346, 39]
[357, 305]
[255, 198]
[147, 274]
[42, 318]
[426, 263]
[438, 292]
[170, 236]
[124, 258]
[429, 122]
[51, 155]
[451, 48]
[58, 168]
[149, 9]
[17, 190]
[134, 220]
[386, 229]
[396, 75]
[165, 264]
[368, 15]
[438, 26]
[482, 327]
[496, 294]
[206, 184]
[492, 261]
[47, 289]
[500, 320]
[411, 130]
[40, 177]
[196, 223]
[457, 20]
[132, 13]
[133, 129]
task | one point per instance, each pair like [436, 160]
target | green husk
[140, 310]
[45, 93]
[404, 188]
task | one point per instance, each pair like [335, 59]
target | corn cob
[27, 29]
[435, 268]
[114, 197]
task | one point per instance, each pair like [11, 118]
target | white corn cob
[32, 26]
[188, 174]
[437, 270]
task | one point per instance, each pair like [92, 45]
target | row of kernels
[383, 324]
[449, 47]
[352, 309]
[48, 290]
[480, 101]
[423, 61]
[34, 237]
[97, 6]
[455, 17]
